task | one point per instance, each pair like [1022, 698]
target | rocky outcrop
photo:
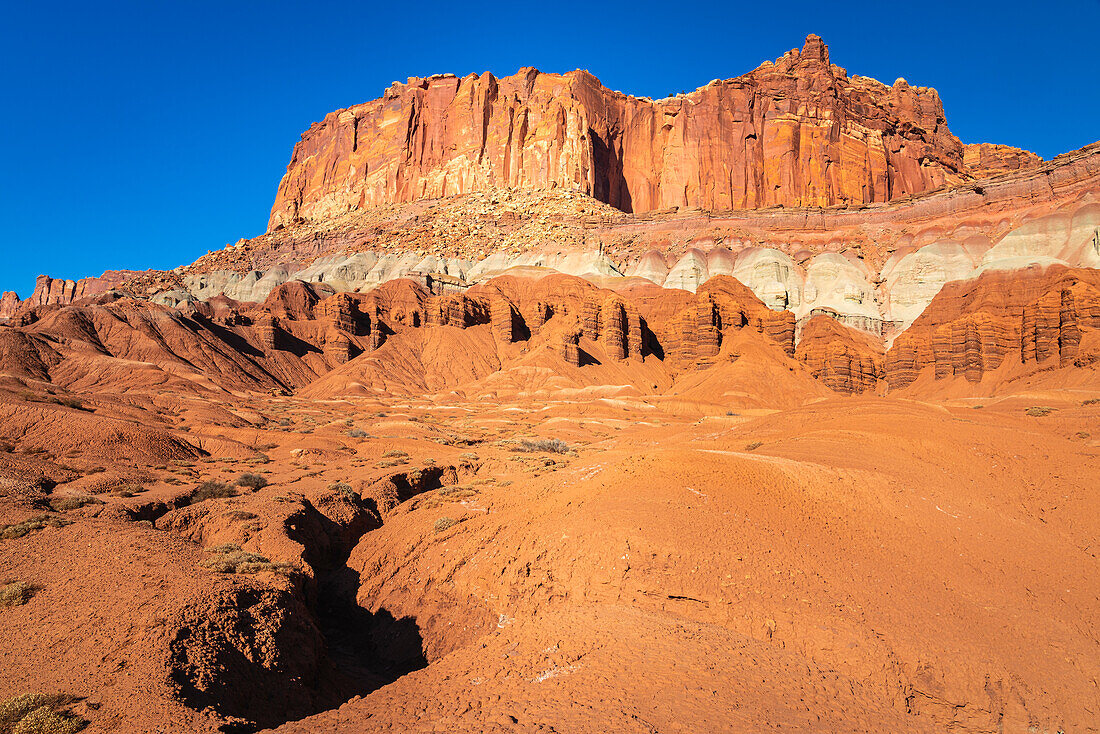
[796, 132]
[267, 331]
[990, 159]
[972, 327]
[9, 304]
[504, 320]
[48, 291]
[569, 349]
[846, 360]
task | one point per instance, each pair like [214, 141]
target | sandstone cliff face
[846, 360]
[9, 304]
[796, 132]
[990, 159]
[974, 326]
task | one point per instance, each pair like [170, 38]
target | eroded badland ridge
[541, 407]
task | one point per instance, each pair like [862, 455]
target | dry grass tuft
[212, 490]
[229, 558]
[18, 530]
[16, 593]
[543, 446]
[39, 713]
[73, 502]
[255, 482]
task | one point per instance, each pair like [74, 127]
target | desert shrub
[1038, 411]
[357, 433]
[284, 421]
[1083, 434]
[128, 490]
[339, 487]
[754, 445]
[18, 530]
[468, 456]
[67, 402]
[1090, 401]
[211, 490]
[229, 558]
[254, 482]
[443, 523]
[39, 713]
[16, 593]
[543, 445]
[74, 502]
[457, 493]
[44, 720]
[394, 452]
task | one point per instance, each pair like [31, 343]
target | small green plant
[18, 530]
[39, 713]
[255, 482]
[16, 593]
[444, 523]
[1038, 411]
[754, 445]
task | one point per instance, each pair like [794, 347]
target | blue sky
[143, 134]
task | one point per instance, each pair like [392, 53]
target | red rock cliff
[796, 132]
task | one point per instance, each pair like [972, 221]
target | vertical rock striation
[795, 132]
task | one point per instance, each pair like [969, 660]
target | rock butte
[541, 407]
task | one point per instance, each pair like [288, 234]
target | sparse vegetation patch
[39, 713]
[211, 490]
[255, 482]
[229, 558]
[543, 446]
[73, 502]
[18, 530]
[16, 593]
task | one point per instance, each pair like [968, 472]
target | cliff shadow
[609, 183]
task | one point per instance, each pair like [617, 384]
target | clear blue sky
[142, 134]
